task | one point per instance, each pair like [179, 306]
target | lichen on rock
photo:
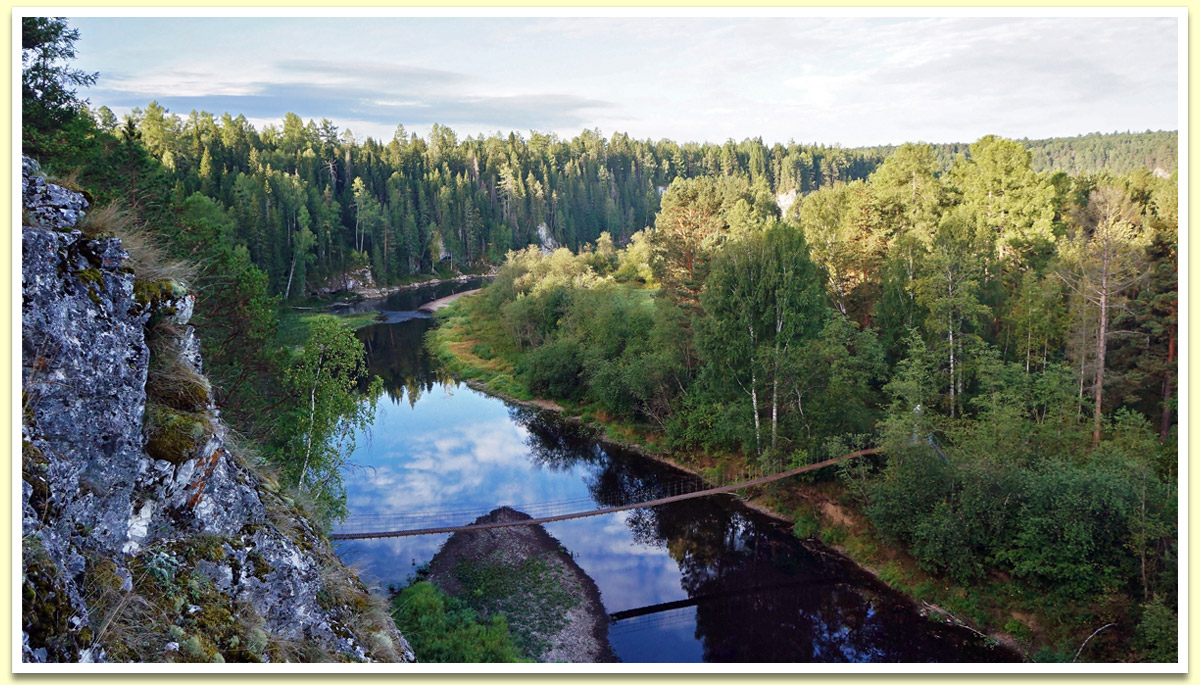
[142, 529]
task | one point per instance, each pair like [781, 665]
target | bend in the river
[698, 580]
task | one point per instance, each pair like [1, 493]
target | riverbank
[814, 510]
[552, 606]
[363, 293]
[443, 302]
[838, 528]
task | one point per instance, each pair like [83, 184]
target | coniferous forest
[999, 316]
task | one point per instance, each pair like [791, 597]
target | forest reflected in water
[698, 580]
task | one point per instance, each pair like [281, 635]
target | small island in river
[552, 606]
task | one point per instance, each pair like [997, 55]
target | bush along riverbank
[473, 340]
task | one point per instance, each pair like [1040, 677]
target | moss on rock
[46, 609]
[174, 436]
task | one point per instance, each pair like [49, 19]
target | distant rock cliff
[349, 281]
[144, 536]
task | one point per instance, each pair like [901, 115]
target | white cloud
[849, 80]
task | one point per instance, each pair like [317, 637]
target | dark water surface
[698, 580]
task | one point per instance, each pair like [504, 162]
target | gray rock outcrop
[349, 281]
[137, 515]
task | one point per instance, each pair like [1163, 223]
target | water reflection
[702, 579]
[397, 354]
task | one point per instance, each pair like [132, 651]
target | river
[698, 580]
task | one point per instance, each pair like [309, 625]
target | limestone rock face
[350, 281]
[139, 515]
[49, 205]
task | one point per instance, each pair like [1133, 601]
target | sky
[851, 81]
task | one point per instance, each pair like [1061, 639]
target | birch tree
[762, 299]
[331, 412]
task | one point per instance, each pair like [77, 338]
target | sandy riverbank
[437, 304]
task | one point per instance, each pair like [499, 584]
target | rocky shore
[367, 290]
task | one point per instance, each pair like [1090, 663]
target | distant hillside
[1117, 153]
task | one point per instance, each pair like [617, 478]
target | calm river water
[699, 580]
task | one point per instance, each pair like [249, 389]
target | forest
[310, 201]
[1008, 338]
[1000, 317]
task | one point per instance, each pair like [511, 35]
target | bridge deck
[605, 510]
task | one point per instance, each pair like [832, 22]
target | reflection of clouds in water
[628, 574]
[389, 561]
[496, 443]
[427, 471]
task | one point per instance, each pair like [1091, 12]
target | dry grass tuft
[368, 615]
[70, 181]
[148, 258]
[171, 380]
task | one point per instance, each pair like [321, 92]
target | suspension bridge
[433, 523]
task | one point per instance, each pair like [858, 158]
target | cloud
[341, 102]
[849, 80]
[375, 72]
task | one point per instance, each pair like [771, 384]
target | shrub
[441, 629]
[554, 370]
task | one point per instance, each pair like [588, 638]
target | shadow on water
[703, 579]
[759, 593]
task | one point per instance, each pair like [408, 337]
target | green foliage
[806, 526]
[554, 369]
[763, 302]
[1157, 636]
[1072, 529]
[48, 100]
[443, 629]
[324, 424]
[531, 594]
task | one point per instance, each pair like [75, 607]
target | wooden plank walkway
[762, 480]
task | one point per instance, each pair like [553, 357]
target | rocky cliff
[145, 535]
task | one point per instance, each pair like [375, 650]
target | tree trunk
[291, 271]
[1166, 395]
[754, 402]
[775, 380]
[1101, 344]
[312, 413]
[952, 370]
[754, 395]
[775, 409]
